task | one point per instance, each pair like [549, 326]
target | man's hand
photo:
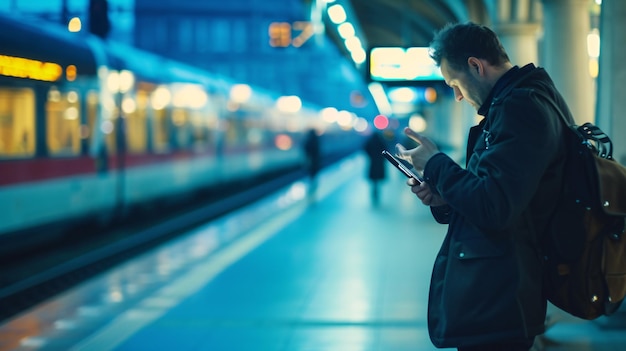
[421, 154]
[425, 193]
[418, 157]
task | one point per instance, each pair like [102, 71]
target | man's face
[466, 84]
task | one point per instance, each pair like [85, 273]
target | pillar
[566, 26]
[611, 96]
[519, 41]
[517, 24]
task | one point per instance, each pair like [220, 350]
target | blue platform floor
[287, 273]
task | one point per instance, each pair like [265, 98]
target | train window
[136, 128]
[161, 130]
[201, 131]
[17, 123]
[231, 129]
[181, 133]
[109, 128]
[92, 115]
[63, 123]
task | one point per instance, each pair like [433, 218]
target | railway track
[30, 278]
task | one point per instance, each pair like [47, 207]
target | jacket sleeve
[441, 214]
[507, 164]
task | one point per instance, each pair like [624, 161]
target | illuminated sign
[402, 64]
[282, 33]
[26, 68]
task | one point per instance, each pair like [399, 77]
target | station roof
[408, 23]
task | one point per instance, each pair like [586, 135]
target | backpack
[585, 249]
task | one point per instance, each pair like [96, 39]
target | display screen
[402, 64]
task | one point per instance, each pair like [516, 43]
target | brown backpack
[585, 250]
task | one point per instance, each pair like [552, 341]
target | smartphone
[408, 172]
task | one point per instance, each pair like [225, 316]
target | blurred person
[313, 160]
[373, 147]
[486, 285]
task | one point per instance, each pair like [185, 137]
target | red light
[283, 142]
[381, 122]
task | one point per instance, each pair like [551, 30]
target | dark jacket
[312, 153]
[374, 147]
[486, 281]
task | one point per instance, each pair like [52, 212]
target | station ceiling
[408, 23]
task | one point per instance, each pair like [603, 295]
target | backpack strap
[592, 135]
[602, 142]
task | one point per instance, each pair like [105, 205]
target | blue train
[88, 127]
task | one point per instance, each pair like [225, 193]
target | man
[313, 160]
[373, 147]
[486, 291]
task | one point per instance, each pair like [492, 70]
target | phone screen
[408, 172]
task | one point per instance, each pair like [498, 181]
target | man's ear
[475, 65]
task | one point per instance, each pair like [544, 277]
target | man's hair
[457, 42]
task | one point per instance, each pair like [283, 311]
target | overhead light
[329, 114]
[593, 43]
[358, 56]
[337, 14]
[289, 104]
[346, 30]
[74, 25]
[353, 43]
[402, 94]
[380, 98]
[240, 93]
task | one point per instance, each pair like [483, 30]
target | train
[90, 128]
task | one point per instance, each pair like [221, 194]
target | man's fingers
[413, 135]
[402, 152]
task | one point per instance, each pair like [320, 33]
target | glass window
[221, 36]
[232, 130]
[147, 37]
[92, 116]
[136, 127]
[203, 41]
[155, 39]
[182, 132]
[109, 127]
[243, 127]
[200, 130]
[63, 123]
[263, 45]
[161, 130]
[185, 35]
[240, 38]
[17, 123]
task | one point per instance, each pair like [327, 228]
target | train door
[17, 135]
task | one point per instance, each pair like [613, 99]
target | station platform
[291, 272]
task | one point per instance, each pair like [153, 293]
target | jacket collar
[510, 78]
